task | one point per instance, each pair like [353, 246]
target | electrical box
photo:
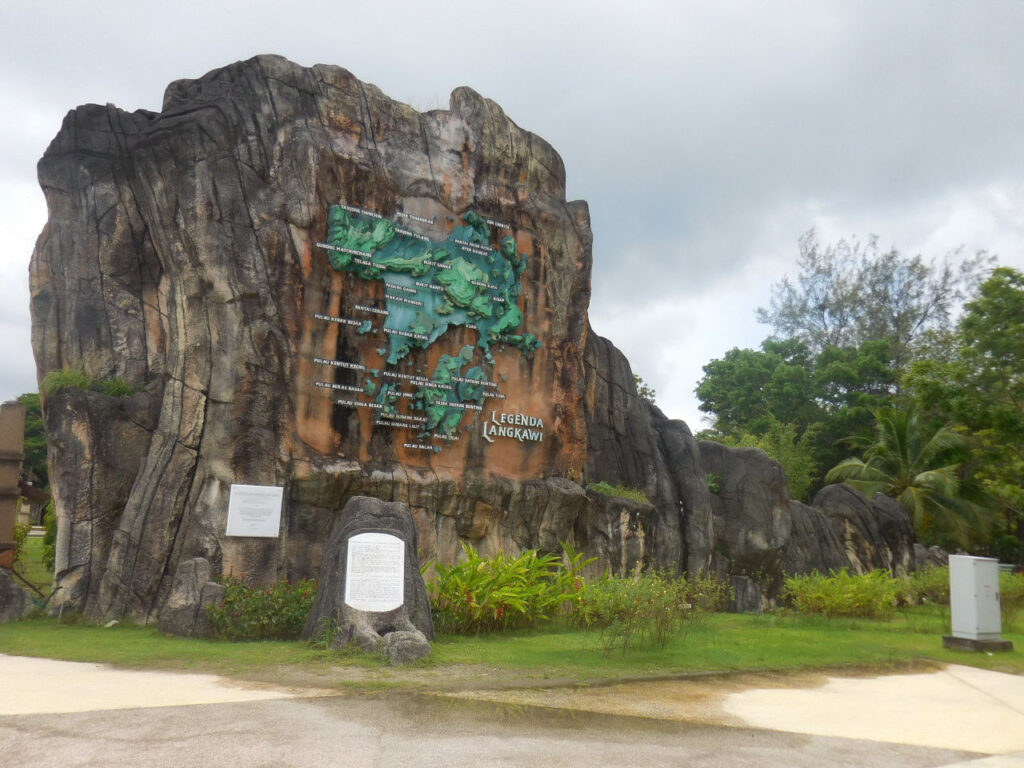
[974, 597]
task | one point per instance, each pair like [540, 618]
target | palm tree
[924, 470]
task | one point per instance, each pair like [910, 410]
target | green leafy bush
[871, 595]
[620, 491]
[646, 609]
[249, 612]
[20, 534]
[928, 585]
[485, 594]
[1011, 595]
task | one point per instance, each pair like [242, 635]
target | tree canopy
[978, 385]
[34, 464]
[850, 292]
[924, 469]
[866, 352]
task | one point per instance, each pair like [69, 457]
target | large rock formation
[307, 284]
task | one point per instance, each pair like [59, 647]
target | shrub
[20, 534]
[871, 595]
[929, 585]
[503, 592]
[646, 609]
[1011, 594]
[620, 491]
[249, 612]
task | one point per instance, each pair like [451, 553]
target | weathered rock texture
[180, 256]
[875, 534]
[403, 633]
[15, 602]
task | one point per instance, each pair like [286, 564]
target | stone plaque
[255, 510]
[375, 572]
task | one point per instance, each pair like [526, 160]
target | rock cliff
[285, 278]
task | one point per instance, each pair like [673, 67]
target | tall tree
[747, 388]
[851, 292]
[34, 465]
[978, 383]
[793, 406]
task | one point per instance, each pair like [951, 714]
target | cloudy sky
[705, 136]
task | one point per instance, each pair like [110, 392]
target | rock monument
[370, 592]
[286, 279]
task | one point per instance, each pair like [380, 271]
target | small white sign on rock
[375, 572]
[255, 510]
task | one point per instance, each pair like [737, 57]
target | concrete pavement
[66, 714]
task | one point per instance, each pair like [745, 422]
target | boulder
[358, 600]
[15, 602]
[752, 520]
[814, 544]
[930, 557]
[876, 534]
[184, 612]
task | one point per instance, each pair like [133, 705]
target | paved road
[155, 720]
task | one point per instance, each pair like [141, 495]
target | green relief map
[430, 286]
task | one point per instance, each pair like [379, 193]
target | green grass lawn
[723, 643]
[30, 565]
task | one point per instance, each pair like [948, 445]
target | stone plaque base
[967, 644]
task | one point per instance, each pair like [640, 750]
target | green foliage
[49, 537]
[619, 490]
[503, 592]
[928, 585]
[977, 382]
[871, 595]
[646, 609]
[249, 612]
[20, 535]
[713, 481]
[923, 468]
[34, 464]
[30, 566]
[747, 388]
[643, 390]
[794, 453]
[851, 292]
[795, 406]
[931, 586]
[77, 378]
[1011, 597]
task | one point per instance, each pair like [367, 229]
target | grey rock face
[875, 534]
[930, 557]
[631, 443]
[370, 629]
[15, 602]
[184, 612]
[747, 595]
[814, 544]
[751, 508]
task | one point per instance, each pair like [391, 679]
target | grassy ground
[723, 643]
[30, 565]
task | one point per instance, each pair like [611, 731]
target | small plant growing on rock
[619, 491]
